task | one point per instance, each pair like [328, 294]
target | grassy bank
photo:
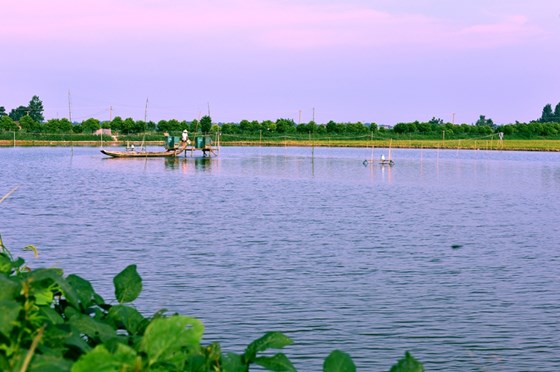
[465, 144]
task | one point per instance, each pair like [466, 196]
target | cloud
[268, 24]
[508, 30]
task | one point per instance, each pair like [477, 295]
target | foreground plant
[52, 322]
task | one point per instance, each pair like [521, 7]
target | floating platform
[388, 162]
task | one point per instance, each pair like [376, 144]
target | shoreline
[464, 144]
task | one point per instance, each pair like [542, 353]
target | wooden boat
[142, 154]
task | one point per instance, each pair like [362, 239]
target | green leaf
[82, 288]
[48, 363]
[6, 264]
[94, 329]
[71, 337]
[164, 337]
[407, 364]
[43, 296]
[128, 284]
[59, 339]
[9, 288]
[277, 363]
[55, 276]
[338, 361]
[51, 315]
[127, 317]
[234, 362]
[97, 299]
[101, 360]
[9, 311]
[271, 340]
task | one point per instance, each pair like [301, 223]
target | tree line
[30, 119]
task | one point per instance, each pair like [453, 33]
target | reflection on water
[452, 255]
[185, 163]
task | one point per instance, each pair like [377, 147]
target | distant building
[105, 131]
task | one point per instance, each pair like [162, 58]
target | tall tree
[35, 109]
[2, 111]
[205, 124]
[483, 122]
[557, 113]
[546, 113]
[17, 113]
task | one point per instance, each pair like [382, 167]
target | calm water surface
[452, 255]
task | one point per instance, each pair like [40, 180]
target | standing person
[184, 136]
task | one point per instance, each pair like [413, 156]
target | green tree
[139, 126]
[356, 128]
[151, 126]
[436, 121]
[174, 125]
[18, 113]
[184, 125]
[2, 111]
[163, 126]
[35, 109]
[268, 126]
[29, 125]
[77, 128]
[400, 128]
[557, 113]
[245, 126]
[205, 124]
[229, 128]
[482, 121]
[65, 126]
[195, 126]
[547, 114]
[51, 126]
[128, 126]
[302, 128]
[90, 125]
[312, 126]
[7, 124]
[117, 124]
[331, 127]
[285, 126]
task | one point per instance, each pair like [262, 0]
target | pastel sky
[382, 61]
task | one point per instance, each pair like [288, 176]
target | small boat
[142, 154]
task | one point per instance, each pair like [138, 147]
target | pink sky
[346, 60]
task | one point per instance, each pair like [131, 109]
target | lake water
[451, 255]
